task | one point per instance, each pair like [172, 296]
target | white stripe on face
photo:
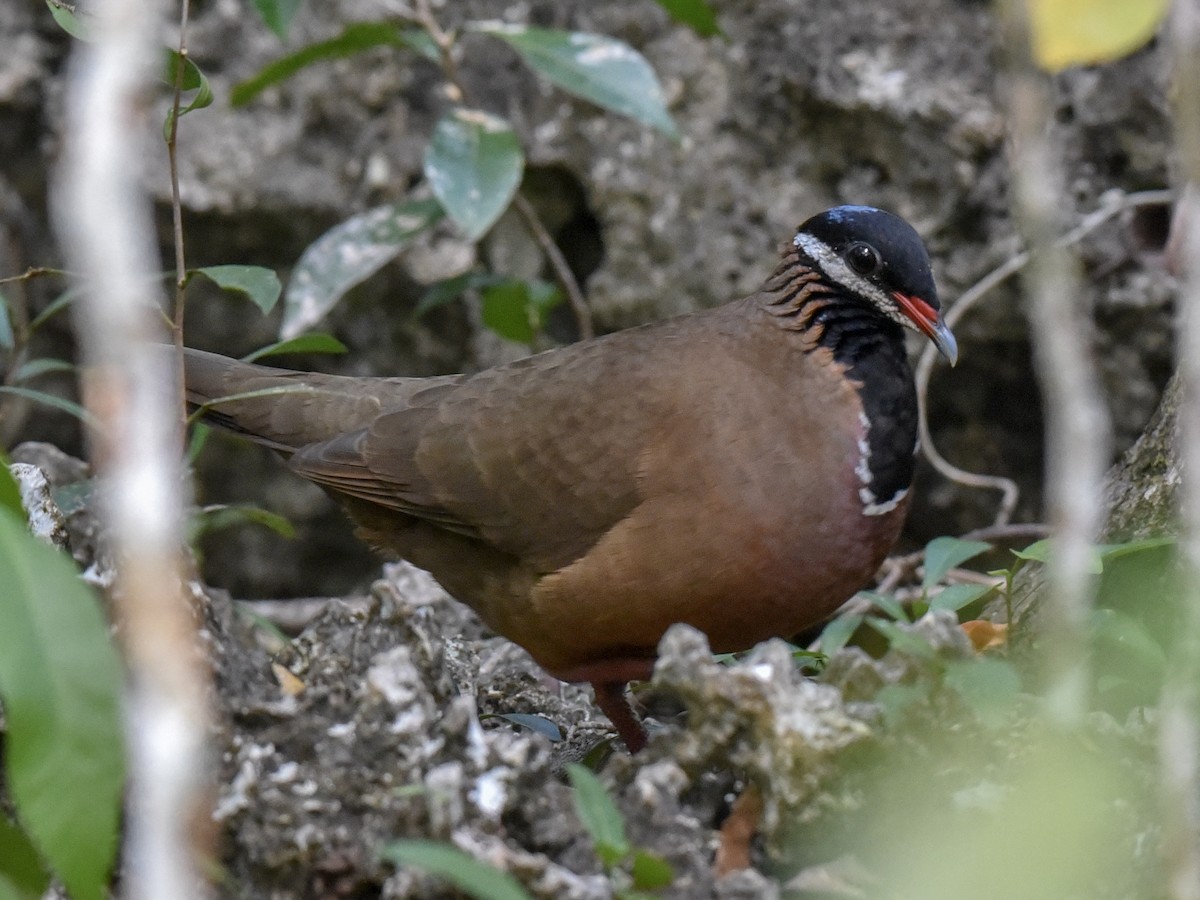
[836, 270]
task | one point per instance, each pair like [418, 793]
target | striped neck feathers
[871, 348]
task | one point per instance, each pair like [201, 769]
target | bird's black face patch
[853, 232]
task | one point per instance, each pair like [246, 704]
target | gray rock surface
[46, 520]
[383, 724]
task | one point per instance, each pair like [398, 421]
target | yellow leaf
[1083, 32]
[288, 682]
[985, 635]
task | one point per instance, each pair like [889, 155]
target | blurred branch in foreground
[1077, 426]
[106, 225]
[1179, 739]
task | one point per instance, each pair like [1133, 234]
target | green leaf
[193, 80]
[260, 284]
[348, 254]
[1085, 32]
[57, 305]
[219, 516]
[896, 699]
[650, 871]
[69, 22]
[809, 660]
[1040, 551]
[696, 14]
[6, 332]
[419, 41]
[452, 288]
[1116, 632]
[59, 403]
[22, 875]
[904, 641]
[1107, 683]
[60, 682]
[599, 754]
[955, 596]
[474, 164]
[316, 342]
[601, 69]
[887, 604]
[540, 724]
[200, 435]
[1116, 551]
[988, 686]
[37, 367]
[837, 633]
[277, 14]
[599, 815]
[10, 491]
[464, 872]
[355, 38]
[517, 310]
[944, 553]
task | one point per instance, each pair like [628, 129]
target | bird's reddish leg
[610, 697]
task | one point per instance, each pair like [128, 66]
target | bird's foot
[610, 697]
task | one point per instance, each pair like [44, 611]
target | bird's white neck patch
[871, 505]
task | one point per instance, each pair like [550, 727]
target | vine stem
[558, 262]
[176, 320]
[1112, 204]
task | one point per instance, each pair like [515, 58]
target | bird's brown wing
[537, 459]
[362, 465]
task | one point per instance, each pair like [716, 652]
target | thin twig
[34, 272]
[970, 576]
[558, 262]
[173, 164]
[1024, 531]
[14, 411]
[176, 320]
[898, 568]
[444, 40]
[895, 570]
[17, 303]
[1111, 204]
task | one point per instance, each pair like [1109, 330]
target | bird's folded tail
[281, 408]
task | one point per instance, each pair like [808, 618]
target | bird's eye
[863, 258]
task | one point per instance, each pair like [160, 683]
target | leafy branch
[474, 162]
